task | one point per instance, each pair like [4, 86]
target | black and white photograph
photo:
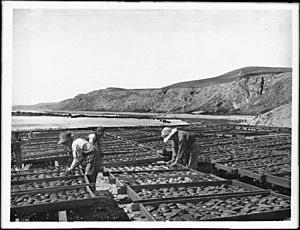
[149, 115]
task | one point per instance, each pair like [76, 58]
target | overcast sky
[58, 54]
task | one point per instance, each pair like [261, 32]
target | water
[47, 122]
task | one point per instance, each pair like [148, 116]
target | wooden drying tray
[112, 175]
[51, 189]
[50, 153]
[106, 170]
[254, 175]
[39, 173]
[180, 167]
[266, 215]
[133, 162]
[275, 154]
[45, 179]
[122, 187]
[234, 170]
[60, 205]
[46, 159]
[277, 179]
[132, 191]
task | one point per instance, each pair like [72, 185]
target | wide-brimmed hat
[64, 137]
[167, 132]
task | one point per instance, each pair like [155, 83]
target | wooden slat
[51, 189]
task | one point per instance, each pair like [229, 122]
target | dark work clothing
[185, 148]
[16, 151]
[91, 164]
[95, 139]
[183, 143]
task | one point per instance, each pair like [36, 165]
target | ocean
[48, 122]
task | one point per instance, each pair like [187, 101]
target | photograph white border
[6, 90]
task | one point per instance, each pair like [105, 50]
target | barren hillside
[247, 91]
[278, 117]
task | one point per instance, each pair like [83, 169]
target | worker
[95, 138]
[185, 147]
[84, 154]
[16, 150]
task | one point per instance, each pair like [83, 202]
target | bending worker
[84, 154]
[185, 147]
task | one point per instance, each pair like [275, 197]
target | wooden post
[62, 216]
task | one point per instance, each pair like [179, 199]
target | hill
[37, 107]
[278, 117]
[247, 91]
[228, 77]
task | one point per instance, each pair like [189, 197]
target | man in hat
[84, 154]
[184, 145]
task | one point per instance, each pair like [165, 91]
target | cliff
[249, 91]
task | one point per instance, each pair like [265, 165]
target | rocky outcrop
[248, 91]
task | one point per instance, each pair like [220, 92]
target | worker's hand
[68, 170]
[169, 162]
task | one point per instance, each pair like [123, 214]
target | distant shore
[94, 114]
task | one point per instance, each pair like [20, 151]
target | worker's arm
[174, 152]
[77, 158]
[76, 162]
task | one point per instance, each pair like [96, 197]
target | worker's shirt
[80, 148]
[183, 144]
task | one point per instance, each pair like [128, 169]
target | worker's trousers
[191, 159]
[92, 165]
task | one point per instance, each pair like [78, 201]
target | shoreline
[137, 115]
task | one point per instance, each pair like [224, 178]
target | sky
[60, 53]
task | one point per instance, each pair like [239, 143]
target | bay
[49, 122]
